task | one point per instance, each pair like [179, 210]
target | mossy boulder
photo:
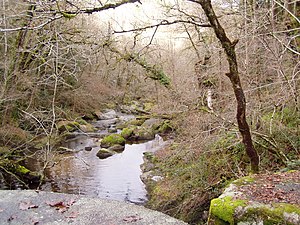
[67, 126]
[111, 140]
[128, 132]
[136, 122]
[21, 172]
[143, 133]
[87, 128]
[165, 127]
[152, 123]
[117, 148]
[259, 199]
[104, 153]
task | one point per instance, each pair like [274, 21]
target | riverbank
[31, 207]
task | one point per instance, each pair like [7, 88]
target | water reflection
[117, 177]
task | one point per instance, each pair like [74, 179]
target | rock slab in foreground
[30, 207]
[259, 199]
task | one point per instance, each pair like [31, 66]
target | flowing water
[81, 172]
[117, 177]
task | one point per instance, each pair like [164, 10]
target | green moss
[165, 127]
[144, 134]
[81, 121]
[244, 180]
[148, 106]
[14, 167]
[127, 132]
[21, 169]
[68, 126]
[112, 139]
[136, 122]
[224, 208]
[274, 214]
[68, 15]
[287, 116]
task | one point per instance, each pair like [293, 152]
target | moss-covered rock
[69, 126]
[117, 148]
[87, 128]
[259, 199]
[222, 210]
[144, 134]
[128, 132]
[136, 122]
[19, 171]
[165, 127]
[152, 123]
[104, 153]
[111, 140]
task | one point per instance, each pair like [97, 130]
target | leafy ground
[274, 188]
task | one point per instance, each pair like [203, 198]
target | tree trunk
[229, 48]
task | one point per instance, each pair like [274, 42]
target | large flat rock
[31, 207]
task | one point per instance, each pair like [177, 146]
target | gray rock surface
[31, 207]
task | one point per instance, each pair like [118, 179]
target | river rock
[157, 178]
[109, 114]
[104, 153]
[102, 124]
[152, 123]
[112, 129]
[88, 148]
[143, 133]
[127, 132]
[69, 126]
[111, 140]
[117, 148]
[86, 128]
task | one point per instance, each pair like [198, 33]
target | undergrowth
[200, 163]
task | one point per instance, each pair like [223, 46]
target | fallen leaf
[27, 205]
[60, 205]
[132, 219]
[55, 204]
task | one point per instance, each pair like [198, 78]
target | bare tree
[233, 75]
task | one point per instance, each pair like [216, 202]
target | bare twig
[163, 23]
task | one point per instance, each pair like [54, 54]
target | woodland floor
[274, 188]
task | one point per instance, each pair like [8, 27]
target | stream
[82, 172]
[117, 177]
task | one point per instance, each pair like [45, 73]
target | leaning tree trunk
[229, 48]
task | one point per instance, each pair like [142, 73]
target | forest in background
[61, 61]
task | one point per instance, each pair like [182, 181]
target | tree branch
[163, 23]
[58, 14]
